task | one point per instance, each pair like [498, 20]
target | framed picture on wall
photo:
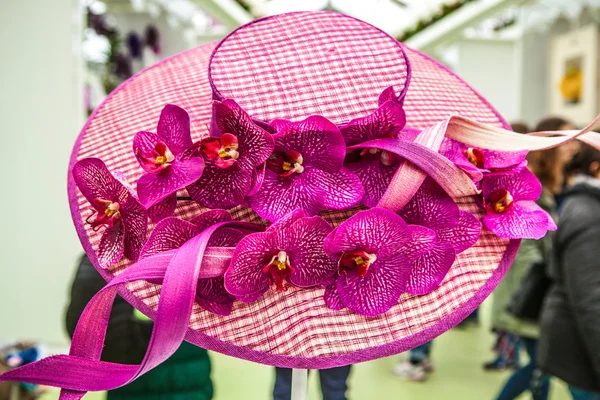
[574, 75]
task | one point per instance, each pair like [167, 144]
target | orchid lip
[106, 213]
[286, 164]
[501, 201]
[159, 159]
[223, 150]
[357, 260]
[278, 269]
[475, 157]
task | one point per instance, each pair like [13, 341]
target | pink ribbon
[179, 270]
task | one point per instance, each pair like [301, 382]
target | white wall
[491, 67]
[40, 114]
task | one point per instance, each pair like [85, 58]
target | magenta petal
[209, 218]
[522, 185]
[429, 270]
[387, 95]
[374, 176]
[221, 187]
[111, 247]
[317, 139]
[432, 207]
[252, 297]
[281, 195]
[377, 291]
[174, 128]
[283, 224]
[342, 189]
[226, 237]
[386, 122]
[135, 224]
[503, 159]
[332, 299]
[255, 144]
[305, 248]
[95, 181]
[258, 177]
[464, 235]
[163, 209]
[524, 220]
[245, 275]
[144, 144]
[419, 240]
[213, 289]
[168, 234]
[214, 307]
[152, 188]
[377, 231]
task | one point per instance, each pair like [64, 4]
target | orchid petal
[221, 187]
[163, 209]
[377, 231]
[135, 225]
[245, 275]
[317, 139]
[145, 146]
[210, 217]
[225, 237]
[153, 188]
[255, 144]
[168, 234]
[111, 247]
[332, 299]
[212, 289]
[374, 176]
[464, 235]
[386, 121]
[388, 94]
[95, 181]
[524, 220]
[174, 128]
[522, 185]
[214, 307]
[311, 265]
[285, 223]
[429, 270]
[342, 189]
[282, 195]
[377, 291]
[419, 240]
[432, 207]
[258, 177]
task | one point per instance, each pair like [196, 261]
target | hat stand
[299, 384]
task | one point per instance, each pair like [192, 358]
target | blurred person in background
[418, 366]
[548, 166]
[506, 345]
[184, 376]
[333, 383]
[570, 321]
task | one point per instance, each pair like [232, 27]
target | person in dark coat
[569, 346]
[184, 376]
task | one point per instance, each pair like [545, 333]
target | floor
[457, 355]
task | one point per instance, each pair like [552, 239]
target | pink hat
[309, 193]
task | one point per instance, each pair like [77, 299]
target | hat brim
[275, 330]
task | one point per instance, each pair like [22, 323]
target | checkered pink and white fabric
[291, 67]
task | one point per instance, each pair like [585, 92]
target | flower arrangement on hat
[288, 174]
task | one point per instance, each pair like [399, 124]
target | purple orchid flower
[374, 167]
[169, 159]
[289, 252]
[477, 162]
[234, 152]
[374, 250]
[455, 230]
[306, 171]
[172, 233]
[115, 209]
[511, 211]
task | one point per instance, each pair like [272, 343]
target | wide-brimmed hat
[306, 193]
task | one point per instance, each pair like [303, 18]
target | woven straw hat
[365, 271]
